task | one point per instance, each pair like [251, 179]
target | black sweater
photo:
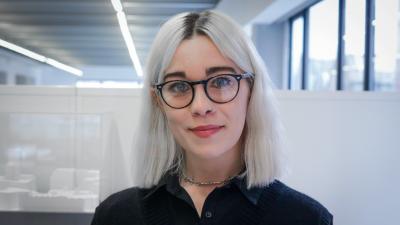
[169, 204]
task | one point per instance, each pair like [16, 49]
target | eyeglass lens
[220, 89]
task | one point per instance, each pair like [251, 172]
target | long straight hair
[155, 149]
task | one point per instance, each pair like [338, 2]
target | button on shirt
[208, 214]
[169, 204]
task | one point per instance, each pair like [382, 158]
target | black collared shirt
[169, 204]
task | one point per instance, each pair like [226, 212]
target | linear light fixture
[64, 67]
[40, 58]
[117, 5]
[123, 24]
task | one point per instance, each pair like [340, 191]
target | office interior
[71, 74]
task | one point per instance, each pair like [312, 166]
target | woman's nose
[201, 104]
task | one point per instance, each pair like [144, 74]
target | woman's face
[204, 129]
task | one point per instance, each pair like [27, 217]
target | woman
[209, 145]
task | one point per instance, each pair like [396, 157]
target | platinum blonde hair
[155, 149]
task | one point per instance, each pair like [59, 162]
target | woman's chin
[207, 153]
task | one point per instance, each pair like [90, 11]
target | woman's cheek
[176, 123]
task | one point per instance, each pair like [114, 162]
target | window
[354, 45]
[296, 53]
[387, 45]
[3, 77]
[348, 45]
[24, 80]
[323, 46]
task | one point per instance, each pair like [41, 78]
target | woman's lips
[206, 131]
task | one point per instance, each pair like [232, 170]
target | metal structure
[86, 32]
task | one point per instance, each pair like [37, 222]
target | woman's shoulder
[125, 198]
[120, 207]
[300, 206]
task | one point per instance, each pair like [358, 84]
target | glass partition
[50, 162]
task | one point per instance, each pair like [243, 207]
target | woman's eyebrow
[175, 74]
[209, 71]
[215, 69]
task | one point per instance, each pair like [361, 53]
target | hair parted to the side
[155, 149]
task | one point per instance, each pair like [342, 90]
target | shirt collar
[253, 194]
[170, 182]
[163, 181]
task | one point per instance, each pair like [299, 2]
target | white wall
[243, 13]
[345, 152]
[271, 41]
[343, 147]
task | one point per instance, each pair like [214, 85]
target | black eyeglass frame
[238, 78]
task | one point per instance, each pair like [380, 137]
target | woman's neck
[214, 169]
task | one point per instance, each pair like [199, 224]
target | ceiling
[86, 32]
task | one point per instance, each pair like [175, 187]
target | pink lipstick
[206, 131]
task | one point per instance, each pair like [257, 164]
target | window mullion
[369, 81]
[341, 44]
[304, 73]
[290, 54]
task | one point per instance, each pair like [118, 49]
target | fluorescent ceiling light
[22, 51]
[40, 58]
[123, 24]
[117, 5]
[129, 43]
[64, 67]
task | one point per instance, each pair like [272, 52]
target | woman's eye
[178, 87]
[221, 82]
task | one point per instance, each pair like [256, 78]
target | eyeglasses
[220, 89]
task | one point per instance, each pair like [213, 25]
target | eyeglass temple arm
[247, 75]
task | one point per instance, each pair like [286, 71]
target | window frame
[369, 73]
